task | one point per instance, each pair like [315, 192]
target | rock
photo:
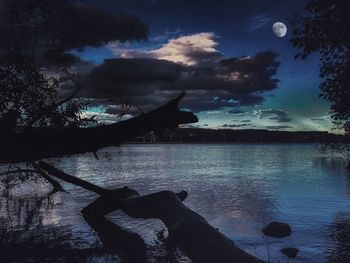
[290, 252]
[277, 229]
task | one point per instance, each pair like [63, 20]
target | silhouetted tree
[326, 30]
[31, 63]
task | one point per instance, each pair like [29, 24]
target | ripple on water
[237, 188]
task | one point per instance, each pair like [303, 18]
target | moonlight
[280, 29]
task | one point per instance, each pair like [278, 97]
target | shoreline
[222, 143]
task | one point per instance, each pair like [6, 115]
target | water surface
[237, 187]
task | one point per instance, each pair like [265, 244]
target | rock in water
[290, 252]
[277, 229]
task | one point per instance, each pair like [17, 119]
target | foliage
[326, 29]
[31, 63]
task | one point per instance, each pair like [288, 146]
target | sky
[237, 74]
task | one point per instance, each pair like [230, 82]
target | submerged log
[45, 143]
[188, 230]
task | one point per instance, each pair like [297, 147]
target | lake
[237, 187]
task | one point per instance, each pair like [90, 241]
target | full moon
[279, 29]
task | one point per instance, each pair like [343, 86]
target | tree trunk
[44, 143]
[188, 230]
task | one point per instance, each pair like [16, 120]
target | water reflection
[21, 212]
[331, 164]
[30, 232]
[25, 236]
[335, 167]
[235, 187]
[339, 239]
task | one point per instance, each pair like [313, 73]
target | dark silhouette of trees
[31, 63]
[326, 29]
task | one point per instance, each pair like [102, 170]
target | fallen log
[45, 143]
[188, 230]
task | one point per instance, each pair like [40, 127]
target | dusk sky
[236, 72]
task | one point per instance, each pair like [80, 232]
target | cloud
[79, 25]
[323, 118]
[58, 29]
[236, 111]
[210, 83]
[278, 127]
[189, 50]
[257, 69]
[165, 36]
[138, 78]
[234, 125]
[276, 115]
[258, 22]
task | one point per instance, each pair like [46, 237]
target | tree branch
[46, 143]
[57, 187]
[54, 106]
[69, 178]
[187, 230]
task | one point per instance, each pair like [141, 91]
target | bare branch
[57, 187]
[69, 178]
[75, 91]
[54, 106]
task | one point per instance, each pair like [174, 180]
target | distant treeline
[196, 135]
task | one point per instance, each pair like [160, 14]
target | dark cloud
[257, 69]
[227, 83]
[78, 25]
[136, 77]
[245, 120]
[276, 115]
[278, 127]
[49, 31]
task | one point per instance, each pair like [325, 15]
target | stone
[290, 252]
[277, 229]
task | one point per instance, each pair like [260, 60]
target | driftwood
[45, 143]
[187, 230]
